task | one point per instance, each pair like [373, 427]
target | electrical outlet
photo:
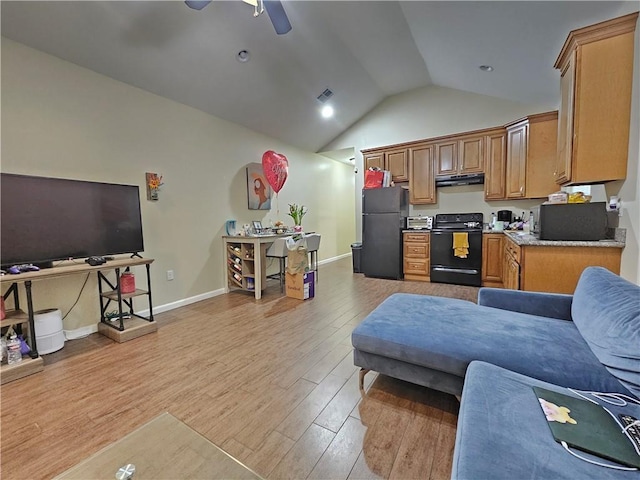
[169, 274]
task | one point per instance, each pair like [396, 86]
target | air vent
[324, 96]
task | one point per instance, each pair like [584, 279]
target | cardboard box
[300, 285]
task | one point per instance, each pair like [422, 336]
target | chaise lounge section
[494, 352]
[589, 340]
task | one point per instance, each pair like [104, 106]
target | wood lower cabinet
[557, 269]
[544, 268]
[596, 67]
[492, 259]
[422, 181]
[511, 273]
[416, 256]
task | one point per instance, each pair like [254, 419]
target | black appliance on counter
[445, 266]
[384, 215]
[573, 221]
[505, 216]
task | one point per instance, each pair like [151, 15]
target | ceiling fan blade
[197, 4]
[278, 16]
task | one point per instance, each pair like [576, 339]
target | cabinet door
[492, 257]
[471, 155]
[447, 158]
[542, 155]
[494, 181]
[396, 162]
[374, 160]
[422, 181]
[565, 122]
[516, 160]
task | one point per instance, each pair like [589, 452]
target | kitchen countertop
[525, 239]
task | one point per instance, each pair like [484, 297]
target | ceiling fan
[274, 9]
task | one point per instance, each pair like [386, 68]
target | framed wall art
[259, 192]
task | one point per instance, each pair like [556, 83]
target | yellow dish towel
[461, 244]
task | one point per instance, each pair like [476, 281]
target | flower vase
[297, 228]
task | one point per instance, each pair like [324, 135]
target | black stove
[467, 222]
[459, 267]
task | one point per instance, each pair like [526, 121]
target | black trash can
[356, 249]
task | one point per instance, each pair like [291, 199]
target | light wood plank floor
[272, 382]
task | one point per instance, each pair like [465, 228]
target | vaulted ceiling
[362, 51]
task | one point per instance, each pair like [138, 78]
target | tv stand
[124, 329]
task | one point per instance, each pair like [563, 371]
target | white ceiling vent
[324, 96]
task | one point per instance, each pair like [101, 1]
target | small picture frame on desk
[257, 226]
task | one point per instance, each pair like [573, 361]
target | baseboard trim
[84, 331]
[182, 303]
[80, 332]
[334, 259]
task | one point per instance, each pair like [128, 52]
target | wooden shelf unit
[241, 265]
[32, 363]
[114, 327]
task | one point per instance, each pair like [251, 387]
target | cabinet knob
[521, 189]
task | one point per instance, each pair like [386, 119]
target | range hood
[453, 180]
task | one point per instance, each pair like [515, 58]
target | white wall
[435, 111]
[62, 120]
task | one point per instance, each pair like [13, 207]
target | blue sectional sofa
[588, 341]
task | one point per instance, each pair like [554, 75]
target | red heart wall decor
[276, 169]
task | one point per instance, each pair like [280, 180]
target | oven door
[447, 268]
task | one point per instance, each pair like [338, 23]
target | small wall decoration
[154, 182]
[259, 191]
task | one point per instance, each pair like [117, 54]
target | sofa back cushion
[606, 311]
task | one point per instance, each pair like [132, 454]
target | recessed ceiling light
[243, 56]
[486, 68]
[327, 111]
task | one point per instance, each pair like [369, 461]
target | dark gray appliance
[384, 215]
[445, 266]
[505, 216]
[573, 221]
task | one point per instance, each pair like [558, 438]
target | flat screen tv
[43, 220]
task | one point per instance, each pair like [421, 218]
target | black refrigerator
[384, 214]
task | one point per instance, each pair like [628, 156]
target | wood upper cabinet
[374, 160]
[517, 137]
[542, 154]
[494, 170]
[492, 259]
[422, 181]
[532, 156]
[596, 66]
[471, 154]
[395, 160]
[447, 157]
[458, 155]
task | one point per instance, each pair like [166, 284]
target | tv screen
[48, 219]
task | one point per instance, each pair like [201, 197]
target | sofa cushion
[447, 334]
[606, 311]
[502, 432]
